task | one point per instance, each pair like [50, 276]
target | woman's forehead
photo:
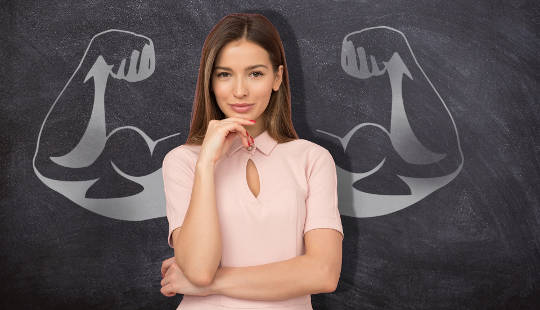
[242, 55]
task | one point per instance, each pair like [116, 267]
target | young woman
[252, 209]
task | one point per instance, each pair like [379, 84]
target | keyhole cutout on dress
[252, 176]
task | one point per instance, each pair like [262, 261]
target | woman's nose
[240, 88]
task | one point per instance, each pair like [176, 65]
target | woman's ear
[278, 79]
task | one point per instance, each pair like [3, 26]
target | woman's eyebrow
[248, 68]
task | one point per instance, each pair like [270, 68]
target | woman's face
[243, 74]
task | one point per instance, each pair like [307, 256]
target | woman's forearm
[197, 245]
[298, 276]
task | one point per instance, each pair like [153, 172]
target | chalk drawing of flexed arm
[112, 55]
[383, 55]
[141, 66]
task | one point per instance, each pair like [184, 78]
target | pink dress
[298, 192]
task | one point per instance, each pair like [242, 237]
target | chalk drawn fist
[123, 55]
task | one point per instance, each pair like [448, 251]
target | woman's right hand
[219, 136]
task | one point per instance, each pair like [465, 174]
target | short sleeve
[322, 201]
[178, 177]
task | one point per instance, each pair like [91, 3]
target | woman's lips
[241, 108]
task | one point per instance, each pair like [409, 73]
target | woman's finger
[168, 290]
[244, 133]
[163, 282]
[166, 264]
[171, 271]
[240, 120]
[235, 128]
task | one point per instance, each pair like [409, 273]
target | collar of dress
[263, 142]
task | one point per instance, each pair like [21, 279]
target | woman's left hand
[175, 282]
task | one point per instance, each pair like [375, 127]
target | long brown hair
[257, 29]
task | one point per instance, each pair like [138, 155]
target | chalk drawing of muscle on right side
[383, 53]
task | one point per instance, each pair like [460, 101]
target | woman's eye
[254, 73]
[257, 73]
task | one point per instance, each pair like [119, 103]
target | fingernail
[252, 120]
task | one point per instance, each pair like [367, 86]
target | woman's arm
[197, 243]
[294, 277]
[315, 272]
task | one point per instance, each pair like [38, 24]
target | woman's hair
[257, 29]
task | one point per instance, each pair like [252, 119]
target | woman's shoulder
[184, 152]
[307, 148]
[307, 145]
[193, 148]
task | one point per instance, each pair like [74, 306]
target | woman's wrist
[215, 287]
[203, 164]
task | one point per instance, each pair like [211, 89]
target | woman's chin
[247, 116]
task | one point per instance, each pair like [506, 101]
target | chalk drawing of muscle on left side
[112, 55]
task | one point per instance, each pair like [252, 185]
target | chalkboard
[429, 109]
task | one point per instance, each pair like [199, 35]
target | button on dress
[298, 192]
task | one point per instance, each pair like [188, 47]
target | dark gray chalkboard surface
[429, 108]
